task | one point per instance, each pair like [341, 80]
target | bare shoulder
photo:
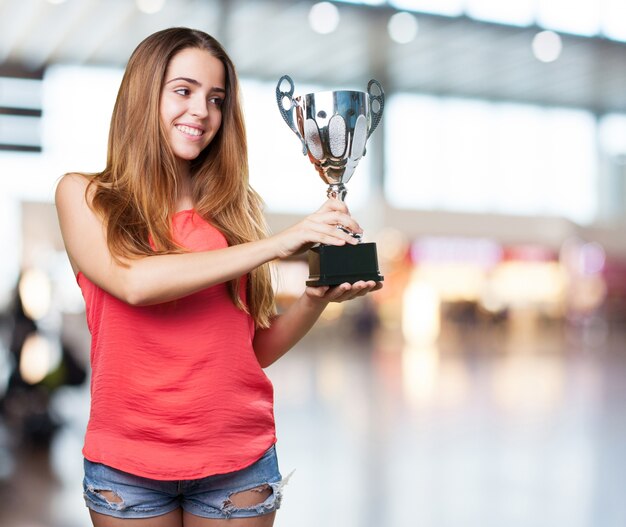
[71, 189]
[73, 181]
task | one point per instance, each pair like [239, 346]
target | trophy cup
[333, 127]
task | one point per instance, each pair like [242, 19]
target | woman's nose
[199, 108]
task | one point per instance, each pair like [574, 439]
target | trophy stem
[337, 191]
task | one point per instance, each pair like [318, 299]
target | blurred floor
[517, 425]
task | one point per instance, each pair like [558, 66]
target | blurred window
[475, 156]
[19, 132]
[437, 7]
[78, 102]
[581, 17]
[20, 114]
[20, 93]
[614, 19]
[364, 2]
[613, 134]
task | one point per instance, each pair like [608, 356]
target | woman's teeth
[188, 130]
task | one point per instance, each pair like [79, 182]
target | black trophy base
[334, 265]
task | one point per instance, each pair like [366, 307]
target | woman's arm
[161, 278]
[288, 328]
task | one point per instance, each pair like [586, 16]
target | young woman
[169, 247]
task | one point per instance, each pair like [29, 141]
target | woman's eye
[217, 101]
[182, 91]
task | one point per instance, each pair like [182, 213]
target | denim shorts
[137, 497]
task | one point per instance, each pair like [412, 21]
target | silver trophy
[333, 127]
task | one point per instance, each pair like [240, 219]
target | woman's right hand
[320, 227]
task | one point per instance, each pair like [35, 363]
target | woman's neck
[184, 200]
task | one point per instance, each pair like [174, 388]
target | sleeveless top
[176, 389]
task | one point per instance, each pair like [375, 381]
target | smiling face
[191, 99]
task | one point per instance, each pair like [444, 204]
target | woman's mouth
[189, 130]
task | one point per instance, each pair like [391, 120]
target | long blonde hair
[136, 192]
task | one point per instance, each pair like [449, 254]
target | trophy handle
[288, 113]
[380, 99]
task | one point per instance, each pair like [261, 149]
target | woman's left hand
[343, 292]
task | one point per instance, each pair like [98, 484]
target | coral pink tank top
[176, 389]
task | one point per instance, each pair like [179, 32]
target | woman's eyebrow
[186, 79]
[195, 83]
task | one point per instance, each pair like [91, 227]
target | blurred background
[484, 385]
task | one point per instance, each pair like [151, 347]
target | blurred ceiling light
[324, 17]
[56, 2]
[402, 27]
[547, 46]
[150, 6]
[35, 293]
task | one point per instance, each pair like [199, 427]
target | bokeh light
[324, 17]
[547, 46]
[402, 27]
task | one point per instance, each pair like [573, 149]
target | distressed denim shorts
[132, 496]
